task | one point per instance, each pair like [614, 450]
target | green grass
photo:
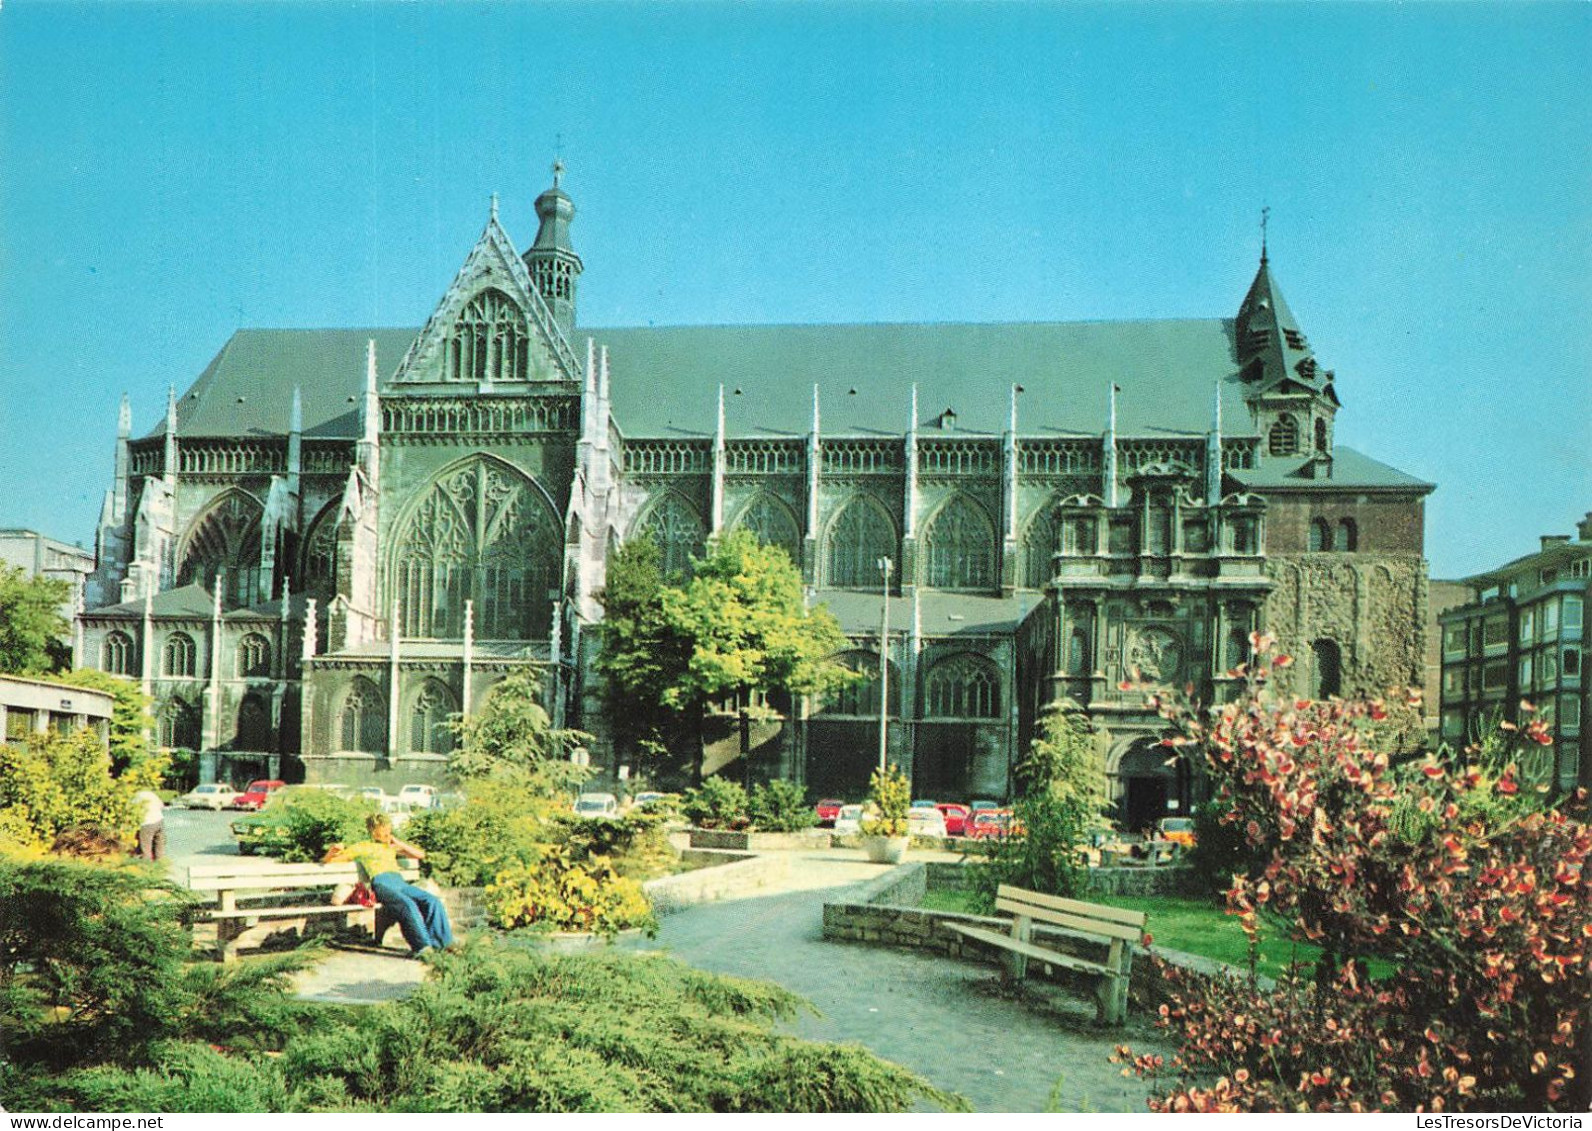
[1197, 926]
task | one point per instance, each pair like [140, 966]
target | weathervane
[1265, 214]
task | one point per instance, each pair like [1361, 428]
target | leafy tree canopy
[130, 718]
[749, 627]
[31, 624]
[513, 733]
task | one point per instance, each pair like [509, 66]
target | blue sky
[170, 173]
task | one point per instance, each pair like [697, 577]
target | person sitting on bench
[421, 915]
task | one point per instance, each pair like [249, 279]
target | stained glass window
[483, 533]
[117, 654]
[429, 732]
[961, 547]
[858, 537]
[964, 687]
[363, 727]
[772, 522]
[254, 656]
[677, 530]
[1039, 547]
[225, 540]
[179, 725]
[178, 657]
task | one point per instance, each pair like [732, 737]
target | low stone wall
[741, 876]
[1144, 880]
[945, 876]
[759, 842]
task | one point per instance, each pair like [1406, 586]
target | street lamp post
[884, 664]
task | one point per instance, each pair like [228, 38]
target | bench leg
[1023, 931]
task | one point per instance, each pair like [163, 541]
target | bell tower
[551, 260]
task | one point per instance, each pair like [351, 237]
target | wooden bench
[251, 881]
[1118, 930]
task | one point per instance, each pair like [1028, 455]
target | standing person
[151, 825]
[421, 915]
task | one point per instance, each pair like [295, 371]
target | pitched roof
[247, 389]
[1349, 468]
[187, 602]
[940, 614]
[1167, 370]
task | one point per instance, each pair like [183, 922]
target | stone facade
[405, 517]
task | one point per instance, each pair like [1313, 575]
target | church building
[336, 539]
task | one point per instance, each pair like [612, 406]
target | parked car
[955, 817]
[412, 797]
[983, 803]
[256, 795]
[849, 819]
[992, 824]
[827, 810]
[377, 796]
[596, 805]
[1178, 830]
[925, 822]
[924, 803]
[646, 799]
[210, 795]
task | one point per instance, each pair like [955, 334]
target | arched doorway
[1153, 782]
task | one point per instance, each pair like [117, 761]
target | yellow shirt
[372, 857]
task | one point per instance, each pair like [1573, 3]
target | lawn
[1197, 926]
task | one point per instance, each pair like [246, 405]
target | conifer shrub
[780, 807]
[718, 803]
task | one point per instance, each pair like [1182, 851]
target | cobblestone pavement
[946, 1020]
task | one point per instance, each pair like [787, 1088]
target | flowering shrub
[1443, 866]
[558, 894]
[890, 800]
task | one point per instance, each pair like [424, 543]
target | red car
[828, 809]
[992, 824]
[955, 817]
[256, 795]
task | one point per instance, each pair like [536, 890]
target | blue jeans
[421, 916]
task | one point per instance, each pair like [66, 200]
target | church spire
[551, 260]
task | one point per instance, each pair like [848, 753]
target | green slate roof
[665, 379]
[247, 390]
[1349, 469]
[188, 602]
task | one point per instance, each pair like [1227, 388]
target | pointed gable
[1272, 351]
[493, 265]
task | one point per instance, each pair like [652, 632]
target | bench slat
[1074, 906]
[1096, 927]
[287, 912]
[1038, 953]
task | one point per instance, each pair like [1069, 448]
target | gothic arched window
[1327, 672]
[674, 526]
[964, 687]
[490, 341]
[1344, 536]
[429, 732]
[1283, 439]
[225, 540]
[254, 656]
[773, 524]
[179, 726]
[862, 697]
[961, 547]
[1039, 547]
[254, 725]
[1078, 536]
[859, 536]
[177, 658]
[482, 533]
[319, 572]
[362, 726]
[1320, 535]
[116, 654]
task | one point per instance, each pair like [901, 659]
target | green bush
[636, 844]
[780, 807]
[300, 823]
[889, 801]
[718, 803]
[501, 825]
[54, 782]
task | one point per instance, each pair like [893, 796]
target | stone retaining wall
[742, 876]
[759, 842]
[1142, 880]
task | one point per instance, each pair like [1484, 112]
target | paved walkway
[948, 1021]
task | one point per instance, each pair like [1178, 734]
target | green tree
[750, 633]
[130, 717]
[1062, 795]
[641, 656]
[54, 782]
[513, 734]
[31, 624]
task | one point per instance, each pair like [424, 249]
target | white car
[416, 797]
[849, 820]
[926, 822]
[596, 805]
[210, 795]
[377, 796]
